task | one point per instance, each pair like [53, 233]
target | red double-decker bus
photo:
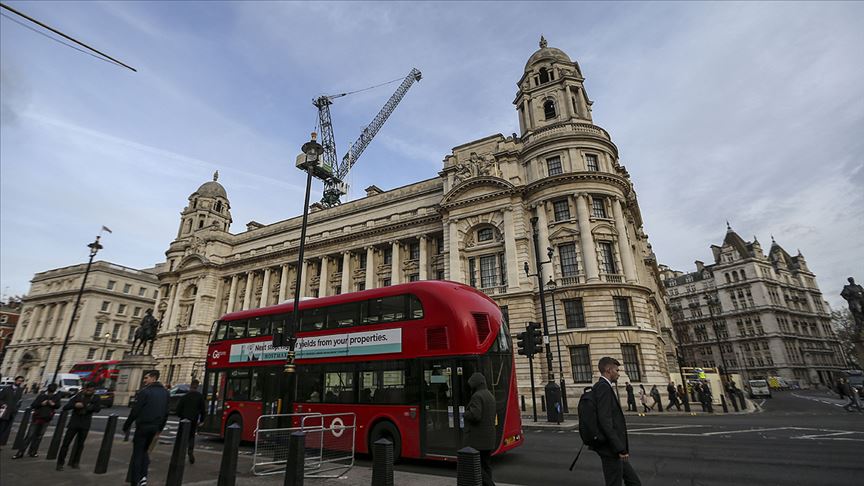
[398, 357]
[101, 373]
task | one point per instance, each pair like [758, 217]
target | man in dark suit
[192, 408]
[480, 422]
[82, 407]
[43, 407]
[10, 400]
[149, 414]
[614, 451]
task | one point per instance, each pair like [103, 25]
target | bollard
[543, 403]
[468, 467]
[105, 450]
[22, 430]
[228, 468]
[523, 403]
[743, 403]
[296, 464]
[686, 403]
[723, 402]
[382, 463]
[178, 455]
[54, 448]
[734, 402]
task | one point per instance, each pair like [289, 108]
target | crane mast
[335, 186]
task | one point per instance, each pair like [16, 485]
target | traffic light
[521, 343]
[536, 339]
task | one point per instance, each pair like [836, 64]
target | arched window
[549, 109]
[544, 76]
[218, 206]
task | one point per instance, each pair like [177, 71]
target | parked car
[759, 389]
[106, 397]
[174, 396]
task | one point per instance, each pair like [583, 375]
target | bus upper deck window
[236, 330]
[415, 308]
[259, 326]
[312, 319]
[221, 328]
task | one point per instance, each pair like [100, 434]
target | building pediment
[476, 189]
[563, 233]
[193, 261]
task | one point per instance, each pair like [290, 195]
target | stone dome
[546, 53]
[212, 188]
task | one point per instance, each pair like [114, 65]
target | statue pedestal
[130, 376]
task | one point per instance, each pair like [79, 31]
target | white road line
[813, 436]
[666, 428]
[743, 431]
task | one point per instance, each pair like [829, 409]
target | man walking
[655, 394]
[43, 407]
[852, 394]
[480, 421]
[673, 397]
[631, 398]
[192, 408]
[83, 405]
[614, 450]
[10, 400]
[150, 413]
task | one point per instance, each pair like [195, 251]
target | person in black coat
[43, 407]
[192, 408]
[631, 398]
[150, 414]
[82, 406]
[10, 400]
[480, 424]
[614, 450]
[673, 396]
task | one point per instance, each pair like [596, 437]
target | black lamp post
[678, 315]
[105, 339]
[552, 390]
[309, 162]
[551, 285]
[94, 249]
[712, 301]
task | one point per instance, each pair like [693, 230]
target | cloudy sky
[747, 112]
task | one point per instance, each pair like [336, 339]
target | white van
[759, 389]
[68, 384]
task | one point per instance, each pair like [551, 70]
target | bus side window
[310, 381]
[277, 324]
[259, 326]
[415, 308]
[393, 308]
[312, 319]
[238, 385]
[344, 315]
[221, 328]
[236, 330]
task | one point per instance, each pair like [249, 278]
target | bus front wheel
[386, 430]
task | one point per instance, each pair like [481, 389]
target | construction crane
[334, 185]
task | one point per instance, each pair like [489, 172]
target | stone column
[586, 239]
[346, 272]
[304, 277]
[543, 238]
[60, 322]
[627, 259]
[567, 109]
[569, 99]
[582, 103]
[455, 261]
[265, 289]
[172, 294]
[47, 319]
[34, 321]
[324, 281]
[232, 294]
[371, 269]
[530, 109]
[396, 265]
[175, 308]
[247, 298]
[510, 250]
[283, 284]
[522, 118]
[424, 258]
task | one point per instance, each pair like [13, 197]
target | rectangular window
[383, 382]
[414, 251]
[580, 363]
[142, 291]
[472, 278]
[485, 234]
[239, 385]
[362, 260]
[121, 309]
[106, 306]
[440, 275]
[598, 206]
[553, 164]
[115, 334]
[97, 333]
[386, 309]
[569, 263]
[591, 162]
[488, 271]
[127, 288]
[622, 311]
[136, 312]
[91, 353]
[414, 277]
[385, 282]
[630, 352]
[131, 336]
[388, 256]
[607, 258]
[111, 284]
[439, 245]
[340, 265]
[562, 210]
[339, 387]
[574, 315]
[109, 354]
[155, 294]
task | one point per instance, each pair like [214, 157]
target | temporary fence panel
[329, 443]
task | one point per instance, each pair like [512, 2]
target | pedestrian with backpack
[610, 439]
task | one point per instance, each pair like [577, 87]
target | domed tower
[208, 209]
[551, 90]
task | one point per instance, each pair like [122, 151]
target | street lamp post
[172, 350]
[94, 249]
[552, 390]
[105, 339]
[308, 162]
[712, 301]
[552, 286]
[679, 355]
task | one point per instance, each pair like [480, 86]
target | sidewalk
[38, 471]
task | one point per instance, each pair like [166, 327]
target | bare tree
[851, 336]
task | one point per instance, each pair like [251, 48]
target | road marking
[744, 431]
[666, 428]
[825, 435]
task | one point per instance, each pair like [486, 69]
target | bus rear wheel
[386, 430]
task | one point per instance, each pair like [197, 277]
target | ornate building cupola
[551, 90]
[208, 209]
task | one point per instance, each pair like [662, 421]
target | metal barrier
[329, 443]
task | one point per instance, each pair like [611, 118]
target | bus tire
[234, 418]
[386, 430]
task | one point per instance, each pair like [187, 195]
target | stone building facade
[113, 302]
[10, 312]
[767, 316]
[470, 224]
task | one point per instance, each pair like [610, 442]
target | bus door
[214, 395]
[442, 413]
